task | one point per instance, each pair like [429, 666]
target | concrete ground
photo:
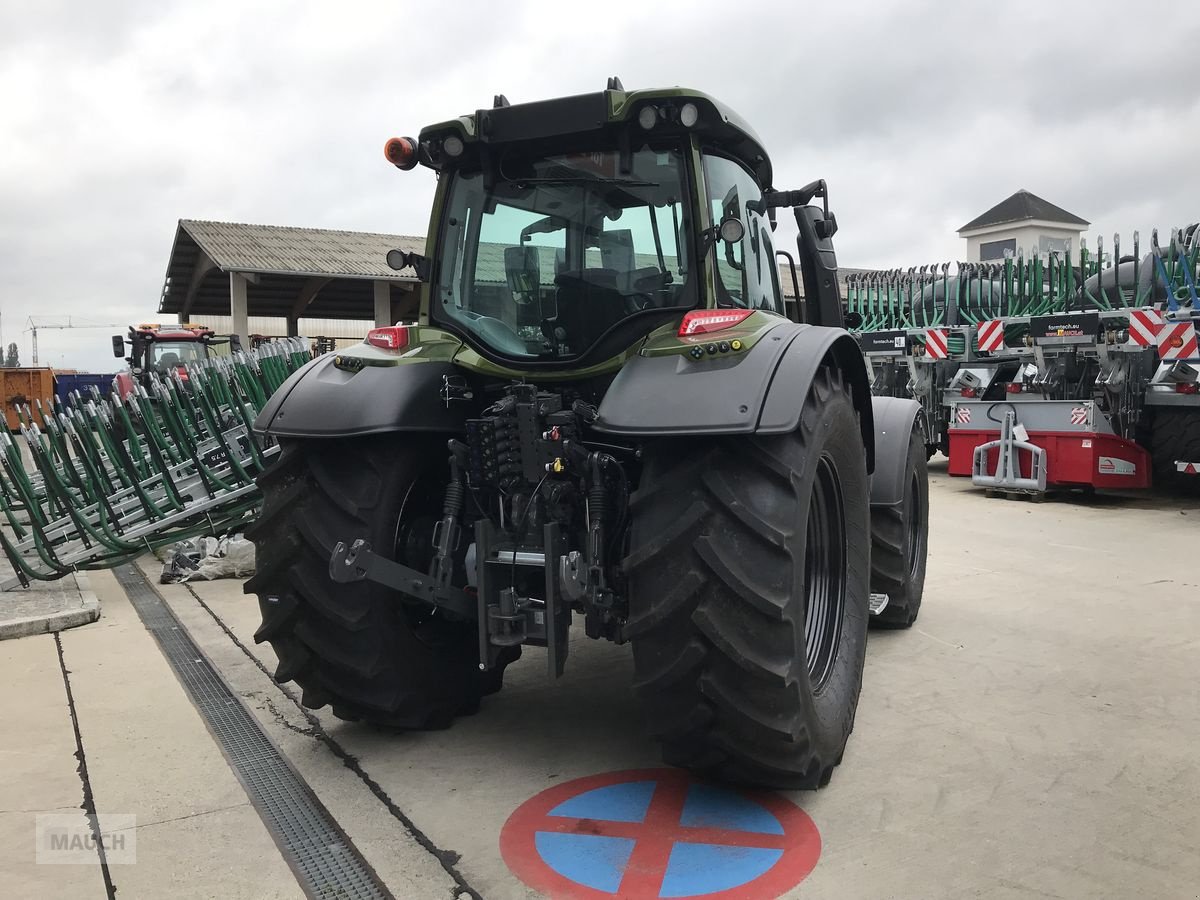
[1034, 734]
[46, 606]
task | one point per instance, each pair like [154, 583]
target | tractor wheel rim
[824, 574]
[916, 537]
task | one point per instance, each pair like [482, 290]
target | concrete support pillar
[183, 318]
[293, 326]
[238, 307]
[383, 304]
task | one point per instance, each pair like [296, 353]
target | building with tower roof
[1023, 222]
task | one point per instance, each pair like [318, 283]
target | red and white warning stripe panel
[1079, 415]
[1178, 340]
[936, 343]
[963, 415]
[990, 336]
[1144, 326]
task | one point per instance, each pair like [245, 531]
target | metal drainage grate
[325, 862]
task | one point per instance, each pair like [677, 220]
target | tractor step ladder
[1007, 476]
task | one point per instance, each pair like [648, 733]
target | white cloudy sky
[122, 116]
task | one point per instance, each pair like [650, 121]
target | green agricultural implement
[603, 416]
[1107, 338]
[91, 483]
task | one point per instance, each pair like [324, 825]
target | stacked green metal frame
[91, 483]
[916, 298]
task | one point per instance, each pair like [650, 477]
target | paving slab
[149, 754]
[371, 822]
[38, 770]
[47, 606]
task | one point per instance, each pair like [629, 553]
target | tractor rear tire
[749, 571]
[899, 545]
[1176, 438]
[359, 646]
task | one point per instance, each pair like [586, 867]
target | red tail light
[968, 392]
[393, 337]
[1013, 388]
[1185, 388]
[704, 321]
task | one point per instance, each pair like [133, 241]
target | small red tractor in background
[163, 348]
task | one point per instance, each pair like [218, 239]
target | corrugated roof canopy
[283, 263]
[1020, 207]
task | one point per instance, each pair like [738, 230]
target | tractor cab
[162, 349]
[565, 231]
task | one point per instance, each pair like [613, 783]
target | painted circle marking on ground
[658, 833]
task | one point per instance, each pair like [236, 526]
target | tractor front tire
[900, 543]
[749, 570]
[359, 647]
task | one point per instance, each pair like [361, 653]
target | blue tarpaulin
[65, 383]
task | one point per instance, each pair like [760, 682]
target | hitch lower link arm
[359, 563]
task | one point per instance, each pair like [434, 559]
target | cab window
[746, 273]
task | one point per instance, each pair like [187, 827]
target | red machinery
[162, 348]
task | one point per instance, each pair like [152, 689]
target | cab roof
[173, 332]
[599, 114]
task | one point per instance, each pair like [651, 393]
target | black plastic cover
[543, 118]
[811, 347]
[895, 418]
[761, 391]
[321, 400]
[657, 396]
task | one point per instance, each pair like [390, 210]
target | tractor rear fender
[895, 419]
[759, 392]
[322, 400]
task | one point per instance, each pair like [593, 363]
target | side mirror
[402, 259]
[118, 345]
[397, 259]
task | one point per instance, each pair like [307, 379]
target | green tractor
[605, 415]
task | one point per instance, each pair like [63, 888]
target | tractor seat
[589, 303]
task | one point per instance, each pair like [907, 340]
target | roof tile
[311, 251]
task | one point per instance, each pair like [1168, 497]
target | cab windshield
[565, 250]
[166, 355]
